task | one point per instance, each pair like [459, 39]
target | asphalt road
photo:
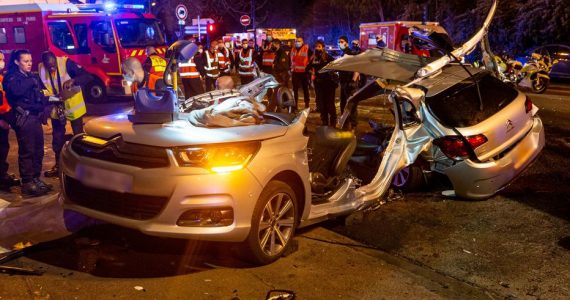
[419, 246]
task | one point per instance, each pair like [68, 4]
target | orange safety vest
[4, 107]
[188, 69]
[158, 65]
[224, 58]
[268, 58]
[246, 63]
[212, 65]
[300, 58]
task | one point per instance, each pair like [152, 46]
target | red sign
[181, 12]
[245, 20]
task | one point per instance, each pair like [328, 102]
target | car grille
[121, 152]
[132, 206]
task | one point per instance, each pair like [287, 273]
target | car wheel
[539, 85]
[273, 223]
[95, 92]
[284, 100]
[409, 178]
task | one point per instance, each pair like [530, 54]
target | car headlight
[221, 158]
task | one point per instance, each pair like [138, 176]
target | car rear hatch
[493, 125]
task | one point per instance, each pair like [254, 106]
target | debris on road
[140, 288]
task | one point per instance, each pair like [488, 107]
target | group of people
[29, 100]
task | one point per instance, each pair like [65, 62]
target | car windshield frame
[124, 34]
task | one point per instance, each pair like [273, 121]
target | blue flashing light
[110, 6]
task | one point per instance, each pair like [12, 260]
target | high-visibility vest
[158, 65]
[300, 58]
[224, 58]
[188, 69]
[212, 65]
[268, 58]
[5, 106]
[74, 106]
[246, 62]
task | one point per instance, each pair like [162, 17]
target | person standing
[380, 44]
[348, 80]
[212, 66]
[225, 58]
[154, 66]
[268, 56]
[24, 93]
[6, 180]
[246, 63]
[281, 65]
[325, 86]
[299, 61]
[190, 75]
[59, 74]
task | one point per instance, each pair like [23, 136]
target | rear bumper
[479, 180]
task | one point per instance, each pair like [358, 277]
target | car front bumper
[480, 180]
[154, 199]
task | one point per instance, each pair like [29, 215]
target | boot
[53, 172]
[8, 180]
[32, 189]
[48, 187]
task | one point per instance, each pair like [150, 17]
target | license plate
[104, 179]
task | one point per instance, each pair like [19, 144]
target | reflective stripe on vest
[223, 58]
[188, 69]
[158, 65]
[300, 58]
[5, 106]
[268, 58]
[212, 65]
[75, 106]
[246, 63]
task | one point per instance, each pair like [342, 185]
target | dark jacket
[25, 91]
[317, 63]
[346, 76]
[282, 63]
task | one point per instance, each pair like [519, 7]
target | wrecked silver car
[234, 173]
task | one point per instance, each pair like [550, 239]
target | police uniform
[325, 88]
[73, 108]
[347, 88]
[24, 94]
[190, 74]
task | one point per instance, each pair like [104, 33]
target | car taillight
[528, 104]
[455, 147]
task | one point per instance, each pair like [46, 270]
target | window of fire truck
[138, 33]
[103, 35]
[81, 36]
[19, 35]
[3, 36]
[61, 36]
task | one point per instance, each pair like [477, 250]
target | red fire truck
[97, 38]
[395, 34]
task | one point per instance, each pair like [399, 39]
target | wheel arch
[296, 183]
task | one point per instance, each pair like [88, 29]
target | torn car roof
[383, 63]
[449, 76]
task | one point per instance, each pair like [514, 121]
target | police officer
[24, 92]
[281, 65]
[211, 65]
[325, 86]
[348, 80]
[58, 74]
[6, 180]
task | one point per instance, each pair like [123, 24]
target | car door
[103, 48]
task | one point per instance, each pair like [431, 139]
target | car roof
[449, 76]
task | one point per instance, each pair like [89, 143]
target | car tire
[273, 224]
[95, 92]
[539, 85]
[410, 178]
[284, 100]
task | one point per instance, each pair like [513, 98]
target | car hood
[177, 133]
[383, 63]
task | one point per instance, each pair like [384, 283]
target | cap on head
[343, 38]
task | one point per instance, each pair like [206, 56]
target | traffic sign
[181, 12]
[245, 20]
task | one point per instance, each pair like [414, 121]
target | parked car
[257, 184]
[561, 53]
